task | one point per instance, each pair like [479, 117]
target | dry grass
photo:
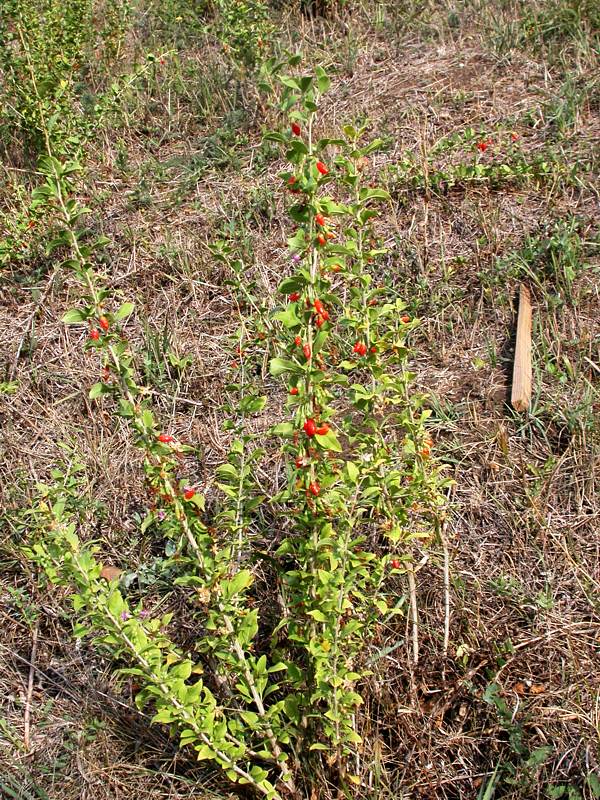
[524, 520]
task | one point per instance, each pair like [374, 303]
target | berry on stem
[294, 296]
[189, 493]
[104, 324]
[323, 430]
[322, 168]
[396, 564]
[310, 427]
[94, 334]
[165, 438]
[320, 219]
[307, 352]
[296, 130]
[294, 390]
[314, 488]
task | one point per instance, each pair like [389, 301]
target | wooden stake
[521, 387]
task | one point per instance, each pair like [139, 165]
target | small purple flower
[296, 258]
[160, 515]
[144, 614]
[124, 615]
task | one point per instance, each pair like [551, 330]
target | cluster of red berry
[95, 333]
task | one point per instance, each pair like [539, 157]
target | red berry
[319, 307]
[310, 427]
[514, 136]
[360, 348]
[322, 168]
[322, 240]
[291, 180]
[189, 493]
[165, 438]
[294, 390]
[314, 488]
[306, 351]
[320, 219]
[482, 146]
[299, 463]
[319, 322]
[323, 430]
[95, 335]
[405, 318]
[396, 564]
[103, 322]
[296, 130]
[325, 315]
[294, 296]
[373, 349]
[297, 341]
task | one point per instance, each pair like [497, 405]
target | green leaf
[289, 285]
[125, 408]
[374, 194]
[329, 441]
[258, 773]
[74, 316]
[323, 80]
[296, 150]
[593, 782]
[115, 603]
[278, 366]
[253, 405]
[205, 753]
[227, 472]
[275, 136]
[352, 471]
[277, 667]
[288, 317]
[319, 341]
[182, 670]
[237, 584]
[283, 429]
[125, 310]
[291, 83]
[187, 737]
[319, 616]
[97, 390]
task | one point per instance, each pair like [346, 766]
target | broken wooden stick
[521, 386]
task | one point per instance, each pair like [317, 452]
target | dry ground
[523, 532]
